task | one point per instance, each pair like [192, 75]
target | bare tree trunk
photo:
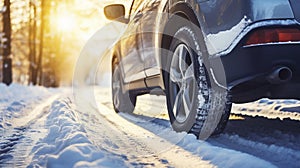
[33, 73]
[41, 47]
[7, 61]
[30, 32]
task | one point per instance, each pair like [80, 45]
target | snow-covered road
[58, 128]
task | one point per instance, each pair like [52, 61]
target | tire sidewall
[185, 34]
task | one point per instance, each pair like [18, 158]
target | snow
[215, 45]
[47, 128]
[218, 156]
[66, 144]
[14, 100]
[282, 109]
[222, 157]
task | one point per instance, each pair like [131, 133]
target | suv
[205, 55]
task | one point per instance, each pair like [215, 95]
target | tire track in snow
[137, 145]
[273, 140]
[17, 142]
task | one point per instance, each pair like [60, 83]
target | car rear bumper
[248, 70]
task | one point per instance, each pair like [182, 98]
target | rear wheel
[123, 100]
[195, 105]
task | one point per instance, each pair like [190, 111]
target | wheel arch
[181, 9]
[116, 56]
[114, 60]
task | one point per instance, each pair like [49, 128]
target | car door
[133, 65]
[148, 28]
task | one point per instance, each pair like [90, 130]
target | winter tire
[195, 104]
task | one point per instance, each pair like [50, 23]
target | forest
[41, 39]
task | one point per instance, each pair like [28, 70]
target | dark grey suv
[204, 55]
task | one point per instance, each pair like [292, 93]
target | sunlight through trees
[46, 38]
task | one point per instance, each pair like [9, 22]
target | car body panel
[296, 6]
[130, 46]
[149, 25]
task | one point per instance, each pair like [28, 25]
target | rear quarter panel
[222, 21]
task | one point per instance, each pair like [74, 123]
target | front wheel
[123, 100]
[194, 104]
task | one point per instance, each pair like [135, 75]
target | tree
[7, 61]
[41, 48]
[32, 43]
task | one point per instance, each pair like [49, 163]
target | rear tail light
[273, 35]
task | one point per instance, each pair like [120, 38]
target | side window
[136, 4]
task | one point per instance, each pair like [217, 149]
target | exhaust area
[280, 75]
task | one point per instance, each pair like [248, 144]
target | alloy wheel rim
[183, 82]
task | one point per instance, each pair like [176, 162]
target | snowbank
[272, 109]
[66, 144]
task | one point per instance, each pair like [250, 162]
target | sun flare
[66, 23]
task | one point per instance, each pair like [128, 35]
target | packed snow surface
[78, 128]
